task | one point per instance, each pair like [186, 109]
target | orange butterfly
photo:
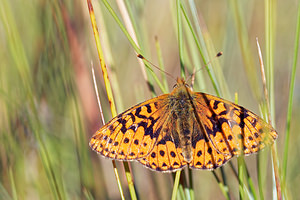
[182, 128]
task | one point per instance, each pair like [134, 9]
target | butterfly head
[181, 83]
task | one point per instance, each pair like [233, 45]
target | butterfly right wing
[228, 130]
[132, 134]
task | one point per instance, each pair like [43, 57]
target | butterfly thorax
[181, 106]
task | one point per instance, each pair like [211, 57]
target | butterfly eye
[175, 86]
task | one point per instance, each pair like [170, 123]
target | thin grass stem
[108, 87]
[273, 147]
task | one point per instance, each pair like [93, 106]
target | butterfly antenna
[142, 57]
[193, 74]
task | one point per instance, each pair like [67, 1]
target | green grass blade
[176, 184]
[290, 99]
[223, 187]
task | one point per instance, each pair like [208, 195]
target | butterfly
[183, 128]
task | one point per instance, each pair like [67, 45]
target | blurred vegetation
[49, 108]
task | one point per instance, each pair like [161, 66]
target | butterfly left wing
[132, 134]
[228, 130]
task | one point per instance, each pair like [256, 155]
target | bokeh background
[48, 106]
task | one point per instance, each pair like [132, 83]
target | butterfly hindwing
[205, 156]
[166, 155]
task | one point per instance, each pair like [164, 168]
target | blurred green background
[49, 108]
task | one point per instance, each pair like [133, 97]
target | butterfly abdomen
[181, 112]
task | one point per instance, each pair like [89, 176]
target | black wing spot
[111, 128]
[215, 105]
[156, 105]
[149, 110]
[123, 129]
[132, 154]
[137, 113]
[126, 140]
[199, 153]
[153, 154]
[198, 163]
[132, 117]
[136, 141]
[173, 154]
[162, 153]
[116, 143]
[123, 122]
[223, 113]
[209, 150]
[149, 130]
[229, 137]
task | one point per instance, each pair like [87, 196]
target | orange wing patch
[164, 157]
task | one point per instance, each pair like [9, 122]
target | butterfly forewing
[132, 134]
[205, 155]
[232, 128]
